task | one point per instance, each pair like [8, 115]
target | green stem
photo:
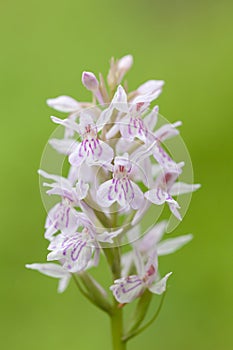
[117, 326]
[117, 329]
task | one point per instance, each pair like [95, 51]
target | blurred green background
[45, 45]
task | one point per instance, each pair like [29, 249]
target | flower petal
[119, 100]
[104, 153]
[152, 237]
[160, 286]
[73, 250]
[164, 159]
[138, 197]
[151, 119]
[150, 87]
[174, 206]
[131, 128]
[123, 65]
[77, 157]
[53, 270]
[173, 244]
[142, 102]
[181, 188]
[59, 179]
[63, 146]
[82, 189]
[104, 118]
[156, 195]
[63, 283]
[67, 123]
[138, 261]
[108, 236]
[127, 289]
[167, 131]
[106, 195]
[127, 263]
[49, 269]
[63, 218]
[63, 104]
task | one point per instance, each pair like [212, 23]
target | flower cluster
[119, 168]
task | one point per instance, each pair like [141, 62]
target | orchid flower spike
[119, 172]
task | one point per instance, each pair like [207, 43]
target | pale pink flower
[121, 188]
[127, 289]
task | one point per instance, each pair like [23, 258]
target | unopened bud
[89, 81]
[125, 63]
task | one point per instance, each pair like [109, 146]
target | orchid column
[119, 169]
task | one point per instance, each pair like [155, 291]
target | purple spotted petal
[63, 218]
[106, 194]
[157, 196]
[127, 289]
[74, 251]
[133, 127]
[138, 197]
[163, 158]
[91, 151]
[167, 131]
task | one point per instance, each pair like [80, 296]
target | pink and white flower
[165, 187]
[135, 123]
[67, 104]
[150, 242]
[79, 250]
[91, 149]
[127, 289]
[121, 188]
[63, 216]
[112, 181]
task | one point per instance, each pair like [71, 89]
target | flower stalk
[117, 329]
